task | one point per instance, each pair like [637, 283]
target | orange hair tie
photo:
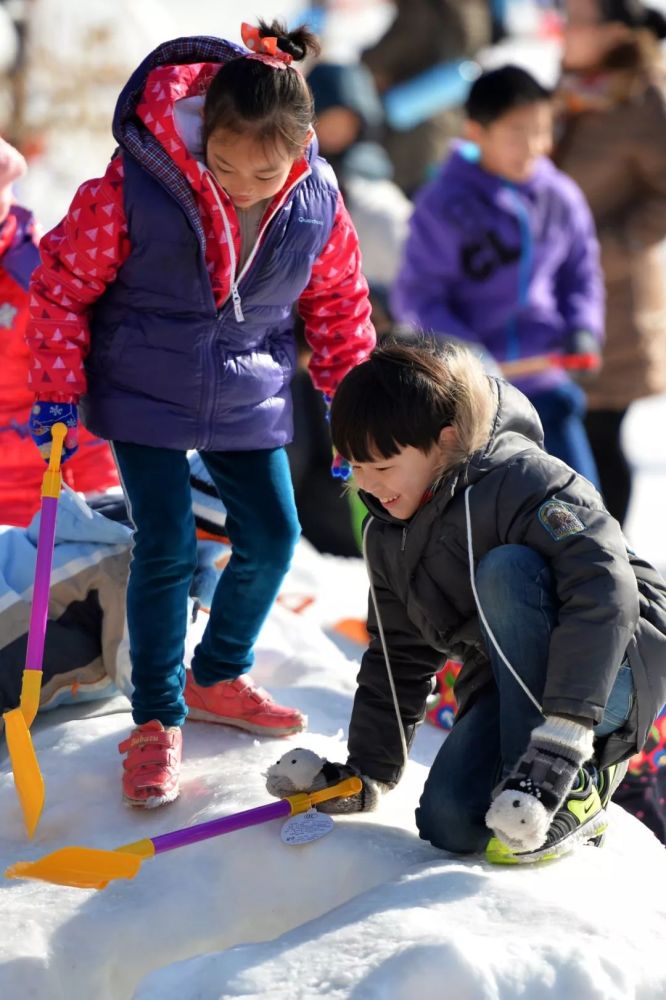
[264, 48]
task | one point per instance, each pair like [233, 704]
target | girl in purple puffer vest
[163, 306]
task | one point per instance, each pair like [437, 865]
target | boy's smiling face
[400, 481]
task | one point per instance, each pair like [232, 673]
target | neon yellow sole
[498, 853]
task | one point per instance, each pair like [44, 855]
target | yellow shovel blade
[80, 867]
[27, 774]
[31, 688]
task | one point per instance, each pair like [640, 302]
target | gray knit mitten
[302, 770]
[526, 802]
[366, 800]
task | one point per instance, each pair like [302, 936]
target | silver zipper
[238, 312]
[235, 294]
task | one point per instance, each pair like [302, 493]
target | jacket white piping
[387, 661]
[489, 631]
[482, 617]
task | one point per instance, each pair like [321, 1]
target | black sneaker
[609, 780]
[580, 820]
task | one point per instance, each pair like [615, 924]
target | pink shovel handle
[40, 598]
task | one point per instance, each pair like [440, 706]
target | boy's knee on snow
[443, 820]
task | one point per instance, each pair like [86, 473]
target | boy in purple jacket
[502, 251]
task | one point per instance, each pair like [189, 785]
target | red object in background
[653, 754]
[442, 706]
[542, 362]
[551, 25]
[90, 470]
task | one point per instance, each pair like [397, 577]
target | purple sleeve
[421, 294]
[580, 282]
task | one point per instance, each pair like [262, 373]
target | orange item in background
[354, 629]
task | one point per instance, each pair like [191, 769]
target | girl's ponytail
[264, 95]
[298, 44]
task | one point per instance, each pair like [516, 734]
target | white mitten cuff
[566, 737]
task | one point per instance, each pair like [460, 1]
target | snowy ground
[369, 913]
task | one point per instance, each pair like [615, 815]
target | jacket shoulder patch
[560, 519]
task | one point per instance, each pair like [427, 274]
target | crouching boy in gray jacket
[481, 547]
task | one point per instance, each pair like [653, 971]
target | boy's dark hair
[499, 91]
[404, 394]
[275, 105]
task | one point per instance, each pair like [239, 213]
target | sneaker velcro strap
[248, 689]
[259, 696]
[150, 756]
[547, 777]
[139, 740]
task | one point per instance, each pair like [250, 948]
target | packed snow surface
[370, 911]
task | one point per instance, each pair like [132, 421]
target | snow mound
[370, 911]
[574, 928]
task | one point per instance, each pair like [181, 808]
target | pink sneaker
[151, 770]
[241, 703]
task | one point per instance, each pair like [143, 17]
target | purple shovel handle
[227, 824]
[40, 597]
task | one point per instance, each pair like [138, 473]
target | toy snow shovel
[88, 868]
[27, 775]
[537, 363]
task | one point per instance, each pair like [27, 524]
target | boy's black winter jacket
[612, 602]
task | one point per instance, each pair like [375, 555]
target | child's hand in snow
[302, 770]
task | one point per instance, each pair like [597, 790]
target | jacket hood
[194, 62]
[463, 171]
[201, 53]
[144, 120]
[515, 427]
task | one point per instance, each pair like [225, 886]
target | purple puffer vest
[167, 368]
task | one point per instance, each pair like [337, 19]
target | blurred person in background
[612, 142]
[92, 469]
[423, 34]
[324, 508]
[502, 252]
[349, 118]
[643, 791]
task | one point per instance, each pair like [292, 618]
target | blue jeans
[262, 525]
[515, 589]
[562, 413]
